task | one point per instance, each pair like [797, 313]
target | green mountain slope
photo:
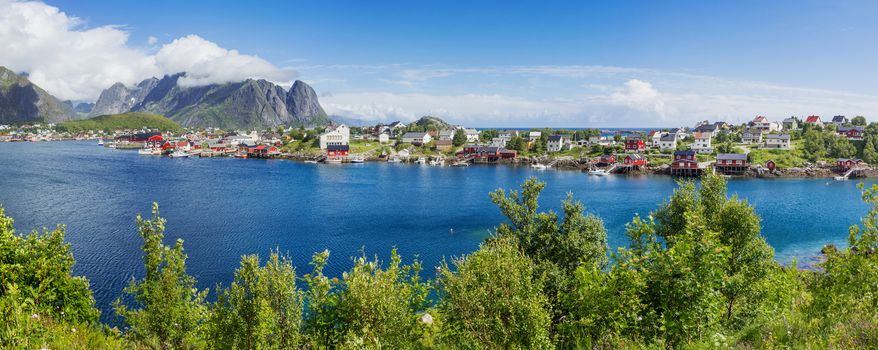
[124, 121]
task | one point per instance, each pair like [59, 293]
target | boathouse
[263, 151]
[844, 164]
[731, 163]
[686, 164]
[337, 150]
[635, 160]
[607, 159]
[853, 133]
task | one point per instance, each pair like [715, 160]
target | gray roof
[778, 137]
[731, 156]
[706, 127]
[849, 128]
[669, 137]
[839, 118]
[556, 137]
[416, 135]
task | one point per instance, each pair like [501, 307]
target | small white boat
[598, 172]
[538, 166]
[144, 152]
[394, 160]
[179, 154]
[460, 164]
[333, 160]
[112, 145]
[421, 160]
[311, 161]
[841, 178]
[358, 160]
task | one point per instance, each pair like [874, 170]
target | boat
[538, 166]
[421, 160]
[460, 164]
[100, 142]
[598, 172]
[179, 154]
[333, 160]
[841, 178]
[358, 160]
[145, 151]
[311, 161]
[394, 160]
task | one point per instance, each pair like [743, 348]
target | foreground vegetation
[124, 121]
[697, 273]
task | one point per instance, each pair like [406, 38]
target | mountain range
[22, 101]
[247, 104]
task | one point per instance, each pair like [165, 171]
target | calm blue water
[224, 208]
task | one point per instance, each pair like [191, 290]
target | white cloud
[640, 95]
[75, 62]
[152, 40]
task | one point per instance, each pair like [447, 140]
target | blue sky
[619, 63]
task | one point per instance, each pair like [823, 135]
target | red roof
[260, 147]
[812, 119]
[759, 119]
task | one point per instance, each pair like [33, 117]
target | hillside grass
[124, 121]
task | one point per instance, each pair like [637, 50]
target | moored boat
[179, 154]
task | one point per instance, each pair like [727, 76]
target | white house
[668, 142]
[447, 134]
[815, 120]
[534, 135]
[839, 120]
[556, 143]
[499, 142]
[599, 140]
[791, 123]
[752, 136]
[340, 135]
[417, 138]
[383, 137]
[472, 135]
[777, 141]
[702, 142]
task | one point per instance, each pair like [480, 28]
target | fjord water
[224, 208]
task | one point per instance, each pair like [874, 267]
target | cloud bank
[74, 62]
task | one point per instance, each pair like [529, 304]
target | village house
[482, 153]
[606, 159]
[654, 137]
[762, 123]
[686, 164]
[499, 142]
[702, 142]
[417, 138]
[600, 140]
[263, 151]
[791, 123]
[447, 134]
[443, 145]
[844, 164]
[634, 160]
[339, 135]
[853, 133]
[634, 144]
[472, 135]
[814, 120]
[383, 137]
[751, 136]
[533, 136]
[140, 137]
[668, 142]
[556, 143]
[337, 151]
[731, 163]
[777, 141]
[839, 120]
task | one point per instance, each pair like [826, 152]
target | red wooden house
[337, 150]
[607, 159]
[634, 145]
[845, 164]
[854, 133]
[685, 160]
[635, 160]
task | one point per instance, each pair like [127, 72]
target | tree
[870, 153]
[814, 147]
[842, 148]
[262, 309]
[370, 306]
[459, 138]
[493, 300]
[516, 143]
[169, 311]
[859, 121]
